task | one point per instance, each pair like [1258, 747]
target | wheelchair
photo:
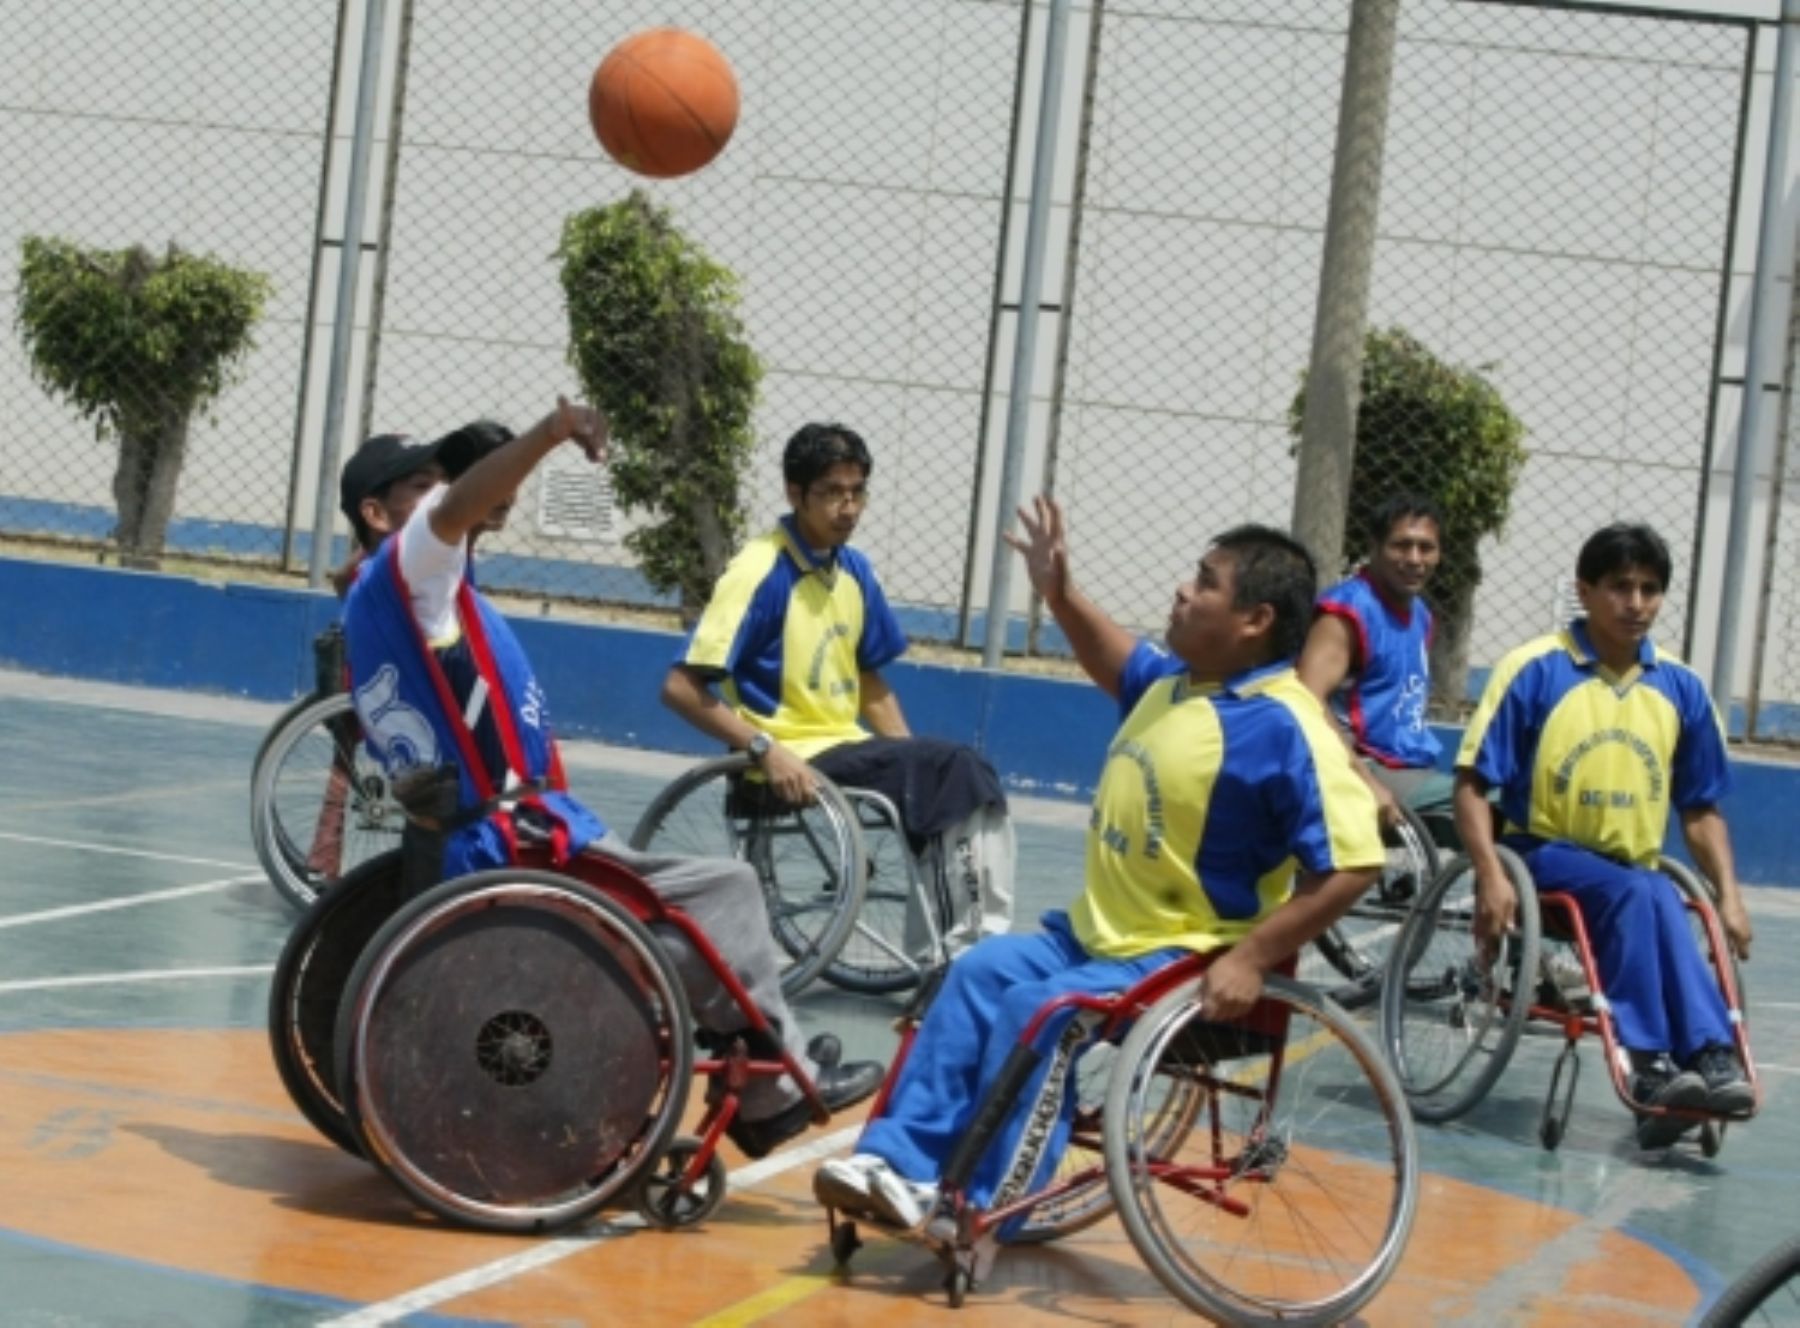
[849, 900]
[513, 1048]
[320, 802]
[1265, 1170]
[1358, 944]
[1453, 1010]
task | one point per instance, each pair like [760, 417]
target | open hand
[584, 426]
[1045, 547]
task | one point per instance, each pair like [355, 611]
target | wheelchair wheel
[514, 1050]
[1767, 1292]
[309, 979]
[1450, 1014]
[810, 860]
[1704, 896]
[319, 799]
[905, 910]
[1290, 1197]
[1359, 944]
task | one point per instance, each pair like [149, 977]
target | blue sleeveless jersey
[1383, 700]
[405, 717]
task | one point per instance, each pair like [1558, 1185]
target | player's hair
[462, 448]
[1275, 569]
[1402, 505]
[816, 448]
[1620, 545]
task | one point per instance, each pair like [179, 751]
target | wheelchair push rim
[1360, 943]
[1239, 1216]
[514, 1051]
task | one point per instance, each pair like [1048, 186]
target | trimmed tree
[655, 337]
[1440, 430]
[137, 344]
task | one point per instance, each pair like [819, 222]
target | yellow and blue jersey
[789, 633]
[1586, 756]
[1208, 798]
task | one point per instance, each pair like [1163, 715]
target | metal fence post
[1743, 479]
[368, 77]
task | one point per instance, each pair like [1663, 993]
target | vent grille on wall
[575, 501]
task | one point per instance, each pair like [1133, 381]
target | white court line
[122, 852]
[502, 1270]
[142, 975]
[127, 901]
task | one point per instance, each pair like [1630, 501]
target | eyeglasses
[840, 495]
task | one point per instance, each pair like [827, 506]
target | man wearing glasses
[794, 640]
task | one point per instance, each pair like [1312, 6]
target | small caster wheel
[1550, 1133]
[1712, 1138]
[844, 1242]
[663, 1199]
[958, 1282]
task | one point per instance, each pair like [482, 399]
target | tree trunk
[144, 485]
[715, 552]
[1450, 653]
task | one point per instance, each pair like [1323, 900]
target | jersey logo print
[816, 672]
[1565, 769]
[398, 731]
[1115, 838]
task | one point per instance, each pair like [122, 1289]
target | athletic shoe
[1657, 1083]
[1728, 1092]
[865, 1184]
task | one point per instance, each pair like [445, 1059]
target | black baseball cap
[378, 463]
[461, 448]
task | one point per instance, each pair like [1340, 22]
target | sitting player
[795, 637]
[1224, 771]
[440, 681]
[1368, 657]
[1590, 736]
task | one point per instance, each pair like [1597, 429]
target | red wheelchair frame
[1093, 1175]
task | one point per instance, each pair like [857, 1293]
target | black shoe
[759, 1138]
[1728, 1092]
[825, 1050]
[1657, 1083]
[843, 1086]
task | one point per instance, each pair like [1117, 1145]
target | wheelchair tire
[1449, 1022]
[1705, 896]
[878, 957]
[1240, 1217]
[1766, 1292]
[309, 979]
[811, 860]
[312, 767]
[1357, 946]
[485, 1045]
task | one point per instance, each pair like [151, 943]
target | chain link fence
[1556, 215]
[128, 124]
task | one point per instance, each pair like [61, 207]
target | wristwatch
[759, 747]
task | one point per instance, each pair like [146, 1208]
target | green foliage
[1436, 429]
[129, 340]
[655, 337]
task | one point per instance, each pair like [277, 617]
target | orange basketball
[663, 102]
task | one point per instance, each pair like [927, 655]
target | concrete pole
[1334, 376]
[343, 326]
[1763, 334]
[1031, 294]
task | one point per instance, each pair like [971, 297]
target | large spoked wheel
[309, 982]
[810, 860]
[1768, 1292]
[1358, 945]
[1452, 1009]
[1702, 897]
[514, 1050]
[1290, 1196]
[319, 799]
[906, 909]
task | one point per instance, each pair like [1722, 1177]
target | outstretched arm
[1709, 841]
[469, 501]
[881, 706]
[1101, 646]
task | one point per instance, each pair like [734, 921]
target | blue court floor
[138, 1106]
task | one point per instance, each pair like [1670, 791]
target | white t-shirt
[433, 570]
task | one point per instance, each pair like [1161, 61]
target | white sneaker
[865, 1184]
